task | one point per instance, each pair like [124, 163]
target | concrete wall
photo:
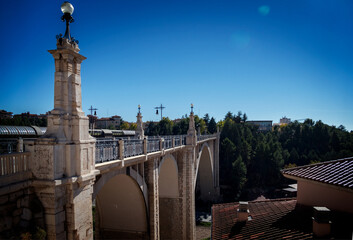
[121, 207]
[318, 194]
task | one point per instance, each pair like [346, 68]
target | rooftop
[274, 219]
[338, 172]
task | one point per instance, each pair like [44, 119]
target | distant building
[31, 116]
[284, 120]
[264, 125]
[5, 114]
[111, 122]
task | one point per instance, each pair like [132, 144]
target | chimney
[243, 212]
[321, 222]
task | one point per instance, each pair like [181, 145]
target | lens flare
[264, 10]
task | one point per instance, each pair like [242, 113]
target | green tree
[212, 126]
[238, 176]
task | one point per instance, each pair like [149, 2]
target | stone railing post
[145, 145]
[161, 143]
[173, 142]
[121, 149]
[20, 145]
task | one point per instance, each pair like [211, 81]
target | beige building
[106, 123]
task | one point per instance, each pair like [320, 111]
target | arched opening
[169, 201]
[121, 210]
[204, 186]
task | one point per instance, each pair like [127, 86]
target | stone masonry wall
[20, 212]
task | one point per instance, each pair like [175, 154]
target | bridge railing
[107, 150]
[133, 147]
[120, 148]
[14, 163]
[153, 145]
[204, 137]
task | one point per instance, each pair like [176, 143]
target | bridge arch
[121, 206]
[169, 200]
[204, 180]
[168, 177]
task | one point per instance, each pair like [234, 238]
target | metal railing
[204, 137]
[14, 163]
[120, 148]
[168, 143]
[133, 147]
[153, 145]
[107, 150]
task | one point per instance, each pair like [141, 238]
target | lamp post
[161, 108]
[192, 108]
[67, 10]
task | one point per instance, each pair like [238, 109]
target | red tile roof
[274, 219]
[337, 172]
[270, 219]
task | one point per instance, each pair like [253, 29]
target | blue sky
[267, 58]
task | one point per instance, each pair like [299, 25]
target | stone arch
[121, 208]
[128, 171]
[168, 177]
[169, 201]
[204, 180]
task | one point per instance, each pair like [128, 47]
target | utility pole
[161, 108]
[92, 118]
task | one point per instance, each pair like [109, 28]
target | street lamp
[67, 10]
[192, 108]
[139, 108]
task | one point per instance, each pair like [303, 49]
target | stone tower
[64, 156]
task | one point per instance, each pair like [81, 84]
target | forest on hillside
[253, 159]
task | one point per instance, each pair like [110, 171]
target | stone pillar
[188, 194]
[151, 173]
[216, 164]
[191, 137]
[140, 133]
[64, 166]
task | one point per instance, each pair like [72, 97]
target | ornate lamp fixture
[67, 10]
[192, 108]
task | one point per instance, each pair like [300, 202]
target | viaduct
[142, 188]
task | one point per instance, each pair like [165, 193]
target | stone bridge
[141, 188]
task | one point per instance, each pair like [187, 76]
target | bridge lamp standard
[139, 108]
[192, 108]
[67, 10]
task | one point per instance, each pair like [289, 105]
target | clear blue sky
[267, 58]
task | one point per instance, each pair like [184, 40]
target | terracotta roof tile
[273, 219]
[337, 172]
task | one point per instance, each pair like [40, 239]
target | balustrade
[14, 163]
[152, 145]
[133, 147]
[204, 137]
[109, 149]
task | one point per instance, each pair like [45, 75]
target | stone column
[216, 165]
[64, 166]
[140, 133]
[191, 137]
[151, 173]
[188, 170]
[188, 194]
